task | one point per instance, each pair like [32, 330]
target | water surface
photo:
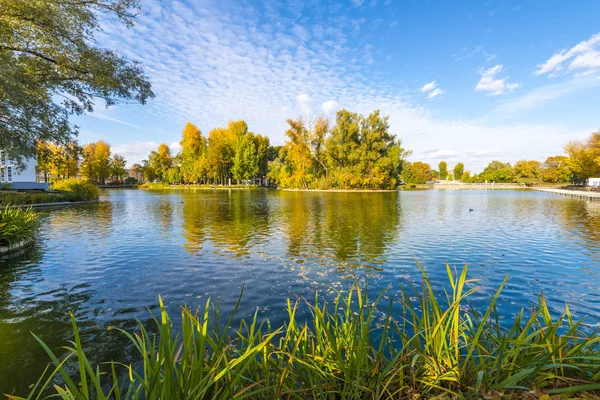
[108, 262]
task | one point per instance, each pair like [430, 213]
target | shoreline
[14, 247]
[580, 194]
[341, 190]
[56, 204]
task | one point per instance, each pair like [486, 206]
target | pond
[108, 262]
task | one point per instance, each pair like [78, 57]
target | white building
[592, 182]
[19, 179]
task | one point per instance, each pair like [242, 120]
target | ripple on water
[108, 262]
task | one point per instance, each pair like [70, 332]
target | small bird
[471, 210]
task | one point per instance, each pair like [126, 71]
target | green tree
[48, 52]
[443, 168]
[466, 177]
[160, 161]
[117, 167]
[458, 171]
[497, 172]
[245, 161]
[136, 171]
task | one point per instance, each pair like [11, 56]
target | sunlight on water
[108, 262]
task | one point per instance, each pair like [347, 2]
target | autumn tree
[556, 169]
[527, 171]
[52, 68]
[193, 153]
[88, 167]
[102, 161]
[416, 172]
[584, 157]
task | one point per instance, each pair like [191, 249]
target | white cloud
[329, 107]
[428, 86]
[134, 152]
[105, 117]
[439, 154]
[304, 102]
[175, 147]
[585, 56]
[264, 67]
[358, 3]
[496, 86]
[544, 94]
[432, 90]
[435, 92]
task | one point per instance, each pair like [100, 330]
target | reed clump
[435, 346]
[17, 224]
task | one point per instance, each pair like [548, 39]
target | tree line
[581, 162]
[355, 152]
[228, 155]
[92, 161]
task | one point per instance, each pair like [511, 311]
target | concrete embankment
[57, 204]
[579, 194]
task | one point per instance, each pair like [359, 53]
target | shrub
[429, 347]
[17, 224]
[77, 189]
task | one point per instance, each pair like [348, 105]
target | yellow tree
[102, 161]
[193, 151]
[88, 167]
[581, 160]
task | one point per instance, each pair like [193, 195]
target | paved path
[580, 194]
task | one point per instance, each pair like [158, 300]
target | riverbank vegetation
[68, 190]
[428, 344]
[17, 225]
[194, 186]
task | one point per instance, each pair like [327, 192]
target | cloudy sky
[461, 81]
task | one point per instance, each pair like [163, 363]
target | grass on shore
[437, 346]
[17, 224]
[68, 190]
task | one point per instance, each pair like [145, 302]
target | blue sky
[464, 81]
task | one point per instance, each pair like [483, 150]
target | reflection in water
[347, 227]
[109, 261]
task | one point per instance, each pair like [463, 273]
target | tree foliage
[416, 172]
[51, 68]
[443, 170]
[584, 157]
[357, 152]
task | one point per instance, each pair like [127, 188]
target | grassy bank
[205, 187]
[347, 350]
[69, 190]
[16, 225]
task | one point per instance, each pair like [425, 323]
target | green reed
[435, 346]
[17, 224]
